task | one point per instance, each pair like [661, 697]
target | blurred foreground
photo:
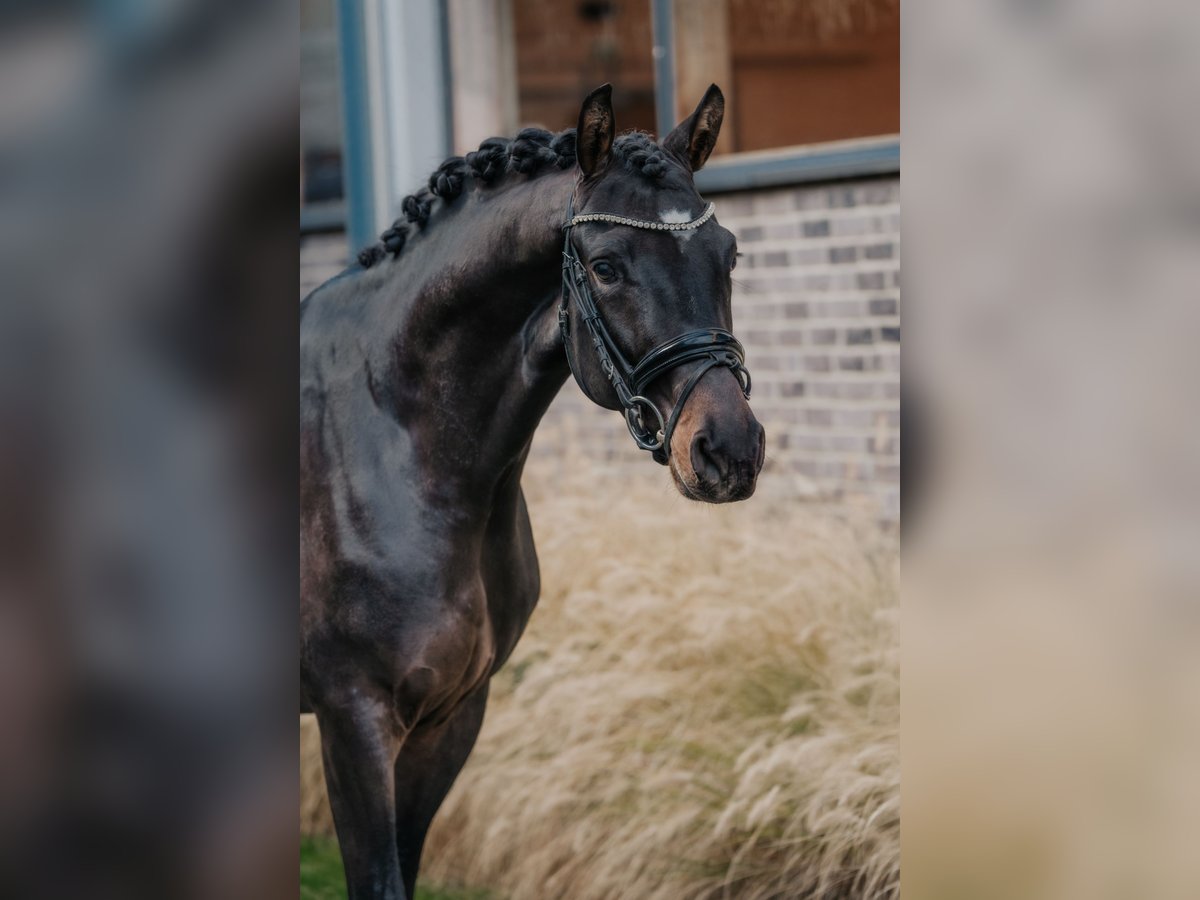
[1052, 568]
[706, 704]
[148, 174]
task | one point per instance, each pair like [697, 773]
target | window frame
[354, 212]
[748, 170]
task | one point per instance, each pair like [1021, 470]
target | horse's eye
[604, 271]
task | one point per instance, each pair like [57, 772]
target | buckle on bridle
[742, 374]
[642, 435]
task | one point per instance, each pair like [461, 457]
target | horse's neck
[478, 357]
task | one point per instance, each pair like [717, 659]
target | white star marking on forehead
[677, 217]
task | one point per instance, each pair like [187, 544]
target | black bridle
[712, 346]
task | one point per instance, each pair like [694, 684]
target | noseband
[713, 347]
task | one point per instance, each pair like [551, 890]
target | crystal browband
[638, 223]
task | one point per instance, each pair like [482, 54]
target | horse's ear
[693, 139]
[594, 137]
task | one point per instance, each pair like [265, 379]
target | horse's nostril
[762, 448]
[705, 461]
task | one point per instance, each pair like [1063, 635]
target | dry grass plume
[705, 705]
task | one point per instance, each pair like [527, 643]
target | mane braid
[531, 152]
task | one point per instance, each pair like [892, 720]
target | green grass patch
[322, 876]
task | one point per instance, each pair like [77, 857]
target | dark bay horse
[424, 371]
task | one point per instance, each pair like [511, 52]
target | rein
[713, 347]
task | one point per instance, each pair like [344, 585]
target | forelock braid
[640, 154]
[489, 161]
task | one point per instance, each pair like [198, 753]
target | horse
[425, 368]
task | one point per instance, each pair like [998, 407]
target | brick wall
[817, 305]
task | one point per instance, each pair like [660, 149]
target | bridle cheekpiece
[712, 347]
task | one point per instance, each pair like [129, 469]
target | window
[793, 73]
[813, 87]
[320, 113]
[800, 78]
[564, 50]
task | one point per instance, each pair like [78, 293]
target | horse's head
[648, 286]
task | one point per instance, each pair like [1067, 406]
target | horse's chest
[451, 640]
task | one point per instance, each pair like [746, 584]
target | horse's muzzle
[719, 447]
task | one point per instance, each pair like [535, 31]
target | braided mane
[532, 151]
